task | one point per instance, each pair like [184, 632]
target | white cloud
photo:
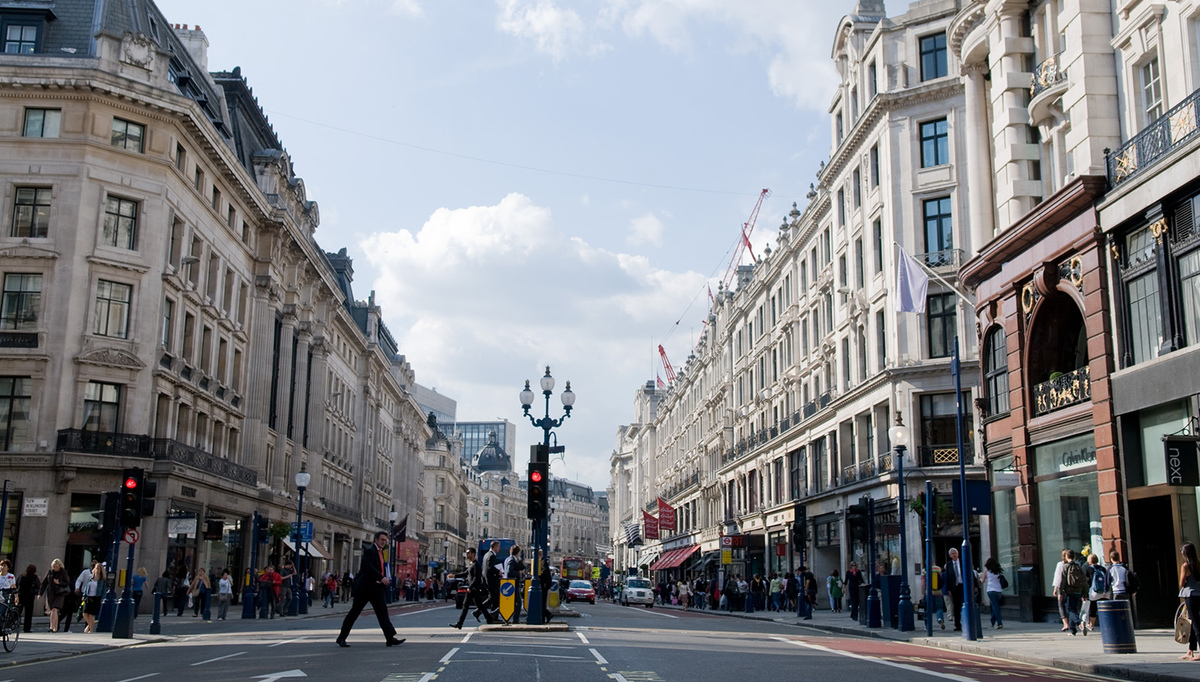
[647, 229]
[555, 31]
[480, 298]
[408, 8]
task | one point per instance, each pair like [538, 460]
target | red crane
[667, 365]
[744, 243]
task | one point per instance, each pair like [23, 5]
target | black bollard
[155, 625]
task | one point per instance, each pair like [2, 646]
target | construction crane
[667, 365]
[744, 242]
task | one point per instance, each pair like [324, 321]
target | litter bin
[1116, 626]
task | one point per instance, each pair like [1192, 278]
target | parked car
[581, 590]
[638, 591]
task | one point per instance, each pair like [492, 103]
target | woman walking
[55, 587]
[224, 594]
[834, 585]
[92, 594]
[993, 584]
[139, 588]
[28, 587]
[199, 590]
[1189, 590]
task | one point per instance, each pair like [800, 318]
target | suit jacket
[950, 577]
[491, 568]
[474, 580]
[370, 571]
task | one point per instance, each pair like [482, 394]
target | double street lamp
[540, 526]
[298, 605]
[899, 436]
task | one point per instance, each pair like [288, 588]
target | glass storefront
[12, 526]
[1068, 501]
[1004, 525]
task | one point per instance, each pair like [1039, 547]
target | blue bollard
[205, 613]
[1116, 626]
[874, 609]
[155, 624]
[248, 602]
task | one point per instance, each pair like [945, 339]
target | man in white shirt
[952, 586]
[1117, 573]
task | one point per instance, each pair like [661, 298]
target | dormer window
[21, 36]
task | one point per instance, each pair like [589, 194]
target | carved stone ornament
[110, 357]
[137, 49]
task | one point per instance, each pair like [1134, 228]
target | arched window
[995, 372]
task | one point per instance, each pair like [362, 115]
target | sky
[539, 182]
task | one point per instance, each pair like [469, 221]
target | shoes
[476, 614]
[342, 643]
[1000, 626]
[958, 627]
[942, 623]
[395, 641]
[456, 626]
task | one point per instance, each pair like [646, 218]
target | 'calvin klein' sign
[1183, 460]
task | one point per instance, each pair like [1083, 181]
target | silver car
[637, 591]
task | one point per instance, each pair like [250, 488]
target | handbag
[1183, 625]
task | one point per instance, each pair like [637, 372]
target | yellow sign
[508, 598]
[595, 572]
[727, 556]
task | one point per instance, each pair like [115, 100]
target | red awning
[681, 555]
[663, 560]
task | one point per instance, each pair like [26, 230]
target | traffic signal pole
[108, 606]
[123, 627]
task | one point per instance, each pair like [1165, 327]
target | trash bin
[1116, 626]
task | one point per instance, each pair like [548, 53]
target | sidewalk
[40, 645]
[1157, 659]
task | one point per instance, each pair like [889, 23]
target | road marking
[880, 661]
[640, 676]
[218, 658]
[467, 637]
[279, 676]
[286, 641]
[516, 653]
[599, 658]
[410, 613]
[617, 677]
[656, 613]
[406, 677]
[446, 658]
[131, 679]
[582, 638]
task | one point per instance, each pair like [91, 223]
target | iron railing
[1062, 391]
[950, 259]
[1047, 74]
[849, 474]
[1156, 140]
[141, 445]
[942, 455]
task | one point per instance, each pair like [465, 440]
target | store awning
[312, 550]
[648, 559]
[679, 556]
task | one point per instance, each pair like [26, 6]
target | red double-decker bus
[574, 568]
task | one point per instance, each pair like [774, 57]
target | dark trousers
[957, 593]
[68, 611]
[479, 600]
[1193, 611]
[373, 595]
[27, 608]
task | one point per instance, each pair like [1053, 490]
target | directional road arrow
[279, 676]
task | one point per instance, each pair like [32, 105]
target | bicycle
[10, 626]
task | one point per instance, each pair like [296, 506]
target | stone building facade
[166, 307]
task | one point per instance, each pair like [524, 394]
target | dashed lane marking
[286, 641]
[582, 638]
[467, 637]
[640, 676]
[599, 659]
[406, 677]
[131, 679]
[218, 658]
[447, 657]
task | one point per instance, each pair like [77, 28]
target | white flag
[912, 284]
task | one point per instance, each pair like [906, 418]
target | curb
[60, 654]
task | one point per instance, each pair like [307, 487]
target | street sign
[306, 531]
[508, 594]
[726, 541]
[727, 556]
[132, 535]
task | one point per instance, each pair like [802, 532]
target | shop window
[1068, 501]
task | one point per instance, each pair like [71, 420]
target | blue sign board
[306, 531]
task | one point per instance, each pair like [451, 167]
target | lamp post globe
[299, 605]
[899, 436]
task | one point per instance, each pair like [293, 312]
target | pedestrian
[1189, 591]
[330, 590]
[8, 586]
[1097, 590]
[477, 593]
[514, 569]
[92, 595]
[139, 588]
[1069, 586]
[28, 587]
[833, 584]
[200, 588]
[163, 588]
[77, 598]
[952, 586]
[1118, 577]
[993, 583]
[346, 585]
[268, 587]
[287, 578]
[545, 579]
[224, 594]
[55, 588]
[370, 586]
[490, 565]
[181, 591]
[758, 588]
[684, 594]
[853, 581]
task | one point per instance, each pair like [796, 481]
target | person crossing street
[369, 586]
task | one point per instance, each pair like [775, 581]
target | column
[277, 477]
[257, 369]
[979, 161]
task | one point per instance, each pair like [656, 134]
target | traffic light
[149, 491]
[539, 497]
[263, 525]
[856, 522]
[800, 530]
[106, 520]
[131, 498]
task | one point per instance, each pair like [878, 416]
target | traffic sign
[306, 531]
[726, 541]
[132, 535]
[508, 593]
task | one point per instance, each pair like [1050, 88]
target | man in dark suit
[952, 584]
[369, 586]
[492, 566]
[477, 594]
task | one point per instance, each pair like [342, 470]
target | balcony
[946, 259]
[1160, 137]
[849, 474]
[447, 528]
[341, 510]
[1046, 75]
[164, 449]
[941, 455]
[866, 469]
[1062, 391]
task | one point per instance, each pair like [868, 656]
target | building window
[128, 135]
[112, 309]
[101, 407]
[42, 122]
[180, 158]
[872, 80]
[31, 212]
[939, 233]
[881, 339]
[935, 143]
[859, 269]
[22, 301]
[857, 194]
[1145, 324]
[933, 56]
[846, 363]
[120, 222]
[840, 127]
[862, 354]
[16, 394]
[939, 420]
[1189, 283]
[168, 318]
[1152, 100]
[942, 327]
[995, 372]
[877, 228]
[841, 208]
[874, 166]
[20, 37]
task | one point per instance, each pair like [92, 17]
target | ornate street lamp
[899, 436]
[298, 605]
[541, 526]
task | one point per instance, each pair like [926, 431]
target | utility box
[1027, 591]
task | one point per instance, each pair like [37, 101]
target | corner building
[166, 307]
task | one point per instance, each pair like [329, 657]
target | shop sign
[1066, 455]
[36, 506]
[1183, 465]
[1005, 480]
[181, 526]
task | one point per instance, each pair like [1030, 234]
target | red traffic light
[131, 483]
[535, 476]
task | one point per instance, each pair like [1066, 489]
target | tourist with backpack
[1069, 586]
[1097, 590]
[1123, 582]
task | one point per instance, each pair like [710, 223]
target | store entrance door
[1155, 561]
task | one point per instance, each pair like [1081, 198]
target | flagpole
[939, 278]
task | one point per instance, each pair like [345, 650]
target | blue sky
[533, 182]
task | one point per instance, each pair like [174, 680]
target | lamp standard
[392, 553]
[445, 566]
[546, 424]
[899, 435]
[298, 605]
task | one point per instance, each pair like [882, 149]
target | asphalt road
[608, 642]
